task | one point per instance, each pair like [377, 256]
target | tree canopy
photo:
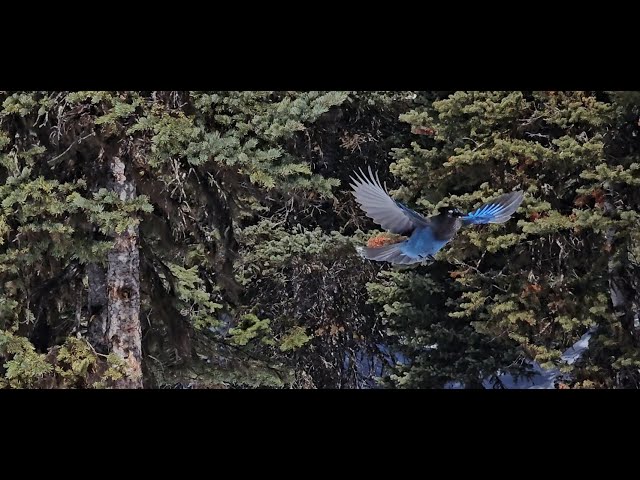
[208, 239]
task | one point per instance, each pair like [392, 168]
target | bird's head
[450, 212]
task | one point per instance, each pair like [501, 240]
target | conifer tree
[94, 179]
[150, 239]
[526, 290]
[299, 264]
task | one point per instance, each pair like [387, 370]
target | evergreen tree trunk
[621, 290]
[97, 302]
[124, 332]
[623, 296]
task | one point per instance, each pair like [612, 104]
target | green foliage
[194, 301]
[201, 162]
[109, 212]
[78, 366]
[251, 327]
[295, 338]
[542, 279]
[247, 228]
[22, 366]
[310, 286]
[243, 130]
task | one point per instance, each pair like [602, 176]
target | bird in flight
[426, 235]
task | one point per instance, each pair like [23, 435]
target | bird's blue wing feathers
[413, 215]
[496, 211]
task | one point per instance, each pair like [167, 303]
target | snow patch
[542, 378]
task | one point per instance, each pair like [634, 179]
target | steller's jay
[426, 235]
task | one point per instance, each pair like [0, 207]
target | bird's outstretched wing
[385, 211]
[496, 211]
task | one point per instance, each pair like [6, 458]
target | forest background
[207, 240]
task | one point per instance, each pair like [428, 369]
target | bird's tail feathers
[387, 253]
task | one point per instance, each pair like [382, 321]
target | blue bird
[427, 236]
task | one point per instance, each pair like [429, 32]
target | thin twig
[56, 160]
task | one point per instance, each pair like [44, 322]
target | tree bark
[97, 302]
[124, 332]
[621, 290]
